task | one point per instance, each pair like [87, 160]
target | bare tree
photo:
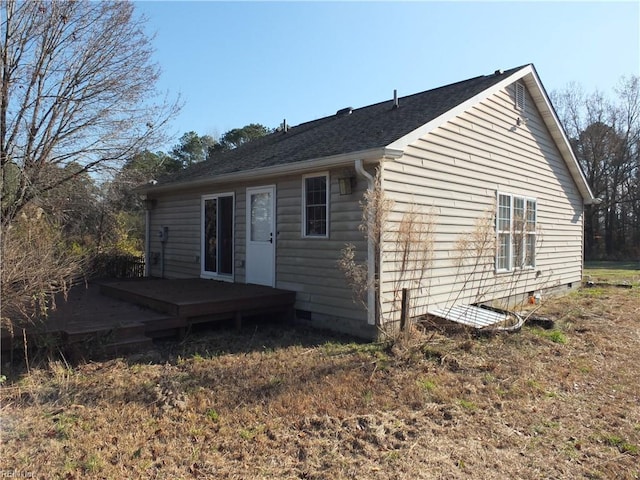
[77, 85]
[605, 135]
[77, 97]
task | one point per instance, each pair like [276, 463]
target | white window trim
[533, 233]
[503, 232]
[513, 264]
[205, 273]
[304, 203]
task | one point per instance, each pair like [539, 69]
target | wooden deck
[125, 316]
[185, 302]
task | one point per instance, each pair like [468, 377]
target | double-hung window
[515, 232]
[315, 208]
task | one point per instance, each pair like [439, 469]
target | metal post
[404, 313]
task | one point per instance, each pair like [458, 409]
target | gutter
[274, 171]
[371, 261]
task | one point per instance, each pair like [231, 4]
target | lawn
[276, 402]
[621, 272]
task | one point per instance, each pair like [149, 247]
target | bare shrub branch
[413, 247]
[474, 257]
[37, 264]
[375, 211]
[408, 249]
[77, 85]
[355, 273]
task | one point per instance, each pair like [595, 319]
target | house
[481, 169]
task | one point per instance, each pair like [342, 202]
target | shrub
[37, 264]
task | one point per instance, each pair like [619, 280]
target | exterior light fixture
[346, 185]
[149, 203]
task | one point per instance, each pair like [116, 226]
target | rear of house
[261, 231]
[481, 168]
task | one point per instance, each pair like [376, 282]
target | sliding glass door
[217, 235]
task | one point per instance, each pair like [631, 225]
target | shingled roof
[349, 131]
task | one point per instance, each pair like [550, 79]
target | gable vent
[520, 96]
[344, 111]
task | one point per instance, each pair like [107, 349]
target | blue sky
[262, 62]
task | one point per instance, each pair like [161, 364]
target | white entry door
[261, 239]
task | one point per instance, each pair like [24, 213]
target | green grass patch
[426, 385]
[593, 292]
[622, 445]
[213, 415]
[337, 348]
[467, 405]
[249, 434]
[535, 385]
[367, 396]
[92, 464]
[556, 336]
[613, 272]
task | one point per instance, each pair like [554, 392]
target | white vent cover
[520, 96]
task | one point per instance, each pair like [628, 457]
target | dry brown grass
[282, 402]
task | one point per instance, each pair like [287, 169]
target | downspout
[161, 259]
[371, 252]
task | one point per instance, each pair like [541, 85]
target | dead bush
[37, 264]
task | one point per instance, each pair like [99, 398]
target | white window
[315, 205]
[515, 232]
[521, 97]
[503, 224]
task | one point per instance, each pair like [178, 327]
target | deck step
[163, 327]
[104, 333]
[138, 298]
[135, 344]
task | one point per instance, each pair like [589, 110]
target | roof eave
[549, 116]
[368, 156]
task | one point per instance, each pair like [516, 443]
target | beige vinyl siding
[308, 265]
[456, 171]
[181, 214]
[240, 233]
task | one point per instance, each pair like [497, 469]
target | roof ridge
[449, 85]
